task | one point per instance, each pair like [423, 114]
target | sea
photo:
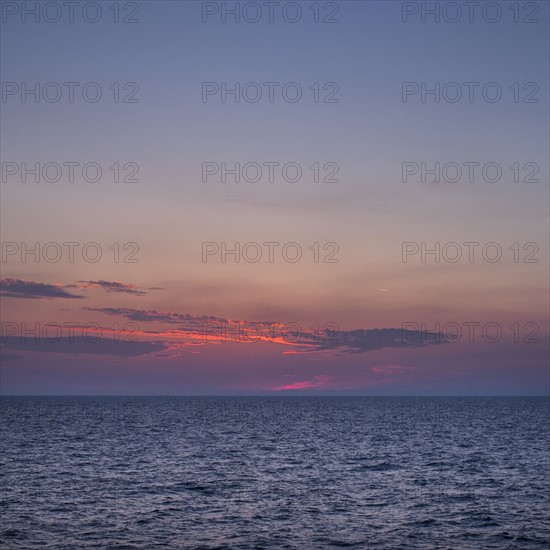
[275, 472]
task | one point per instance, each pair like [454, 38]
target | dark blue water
[275, 473]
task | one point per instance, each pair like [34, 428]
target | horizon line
[272, 395]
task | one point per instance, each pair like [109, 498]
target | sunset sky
[174, 310]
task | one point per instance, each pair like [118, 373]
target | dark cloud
[157, 316]
[361, 341]
[17, 288]
[112, 286]
[350, 341]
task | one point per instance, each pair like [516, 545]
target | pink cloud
[319, 381]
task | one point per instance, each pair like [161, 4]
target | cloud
[360, 340]
[209, 328]
[154, 316]
[319, 381]
[112, 286]
[17, 288]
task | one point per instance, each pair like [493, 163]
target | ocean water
[284, 472]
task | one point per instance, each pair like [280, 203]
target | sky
[397, 166]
